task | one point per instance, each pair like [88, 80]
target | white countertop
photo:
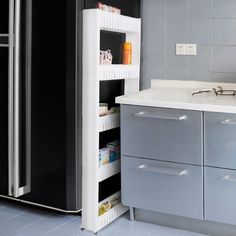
[178, 94]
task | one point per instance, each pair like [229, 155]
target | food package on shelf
[108, 8]
[104, 156]
[103, 109]
[108, 205]
[114, 150]
[106, 57]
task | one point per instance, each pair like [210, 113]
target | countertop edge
[176, 105]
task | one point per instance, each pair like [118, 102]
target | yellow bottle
[127, 53]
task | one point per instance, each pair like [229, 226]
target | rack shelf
[94, 22]
[109, 170]
[113, 213]
[117, 72]
[109, 122]
[116, 23]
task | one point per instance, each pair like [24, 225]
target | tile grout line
[54, 229]
[28, 225]
[212, 40]
[165, 38]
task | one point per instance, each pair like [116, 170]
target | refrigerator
[40, 102]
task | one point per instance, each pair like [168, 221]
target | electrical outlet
[191, 49]
[180, 49]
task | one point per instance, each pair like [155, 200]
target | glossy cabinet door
[162, 134]
[4, 95]
[220, 195]
[3, 120]
[163, 187]
[220, 140]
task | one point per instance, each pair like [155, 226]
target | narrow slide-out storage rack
[96, 179]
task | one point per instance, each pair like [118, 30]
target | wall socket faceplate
[191, 49]
[186, 49]
[180, 49]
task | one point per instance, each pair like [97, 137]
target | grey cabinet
[162, 162]
[162, 134]
[220, 195]
[161, 186]
[220, 152]
[220, 140]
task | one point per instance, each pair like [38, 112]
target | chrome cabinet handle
[160, 116]
[228, 122]
[162, 170]
[229, 178]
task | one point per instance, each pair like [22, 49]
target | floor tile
[194, 234]
[70, 228]
[164, 231]
[30, 231]
[29, 217]
[143, 227]
[9, 212]
[130, 232]
[52, 221]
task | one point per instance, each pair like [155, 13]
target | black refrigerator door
[47, 103]
[4, 95]
[3, 120]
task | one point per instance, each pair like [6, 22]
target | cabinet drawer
[220, 140]
[220, 195]
[162, 134]
[163, 187]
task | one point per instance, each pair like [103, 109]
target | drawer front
[220, 140]
[162, 134]
[220, 195]
[170, 188]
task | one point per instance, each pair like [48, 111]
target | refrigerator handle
[21, 190]
[10, 101]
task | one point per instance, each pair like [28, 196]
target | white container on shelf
[109, 122]
[109, 170]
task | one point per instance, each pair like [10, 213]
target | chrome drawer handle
[228, 122]
[229, 178]
[160, 116]
[162, 170]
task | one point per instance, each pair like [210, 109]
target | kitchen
[176, 165]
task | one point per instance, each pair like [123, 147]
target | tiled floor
[22, 220]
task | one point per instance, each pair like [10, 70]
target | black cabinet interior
[4, 16]
[109, 90]
[108, 136]
[109, 187]
[113, 41]
[128, 7]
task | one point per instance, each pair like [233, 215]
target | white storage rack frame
[95, 20]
